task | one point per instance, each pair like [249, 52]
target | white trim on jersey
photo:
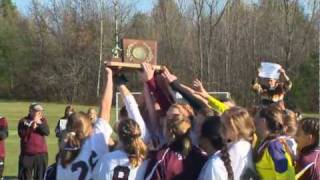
[157, 164]
[92, 150]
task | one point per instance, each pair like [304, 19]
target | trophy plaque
[134, 52]
[138, 51]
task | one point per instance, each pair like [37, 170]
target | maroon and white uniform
[169, 164]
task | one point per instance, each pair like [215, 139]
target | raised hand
[168, 76]
[108, 72]
[197, 85]
[282, 71]
[148, 72]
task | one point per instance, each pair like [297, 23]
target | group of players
[202, 137]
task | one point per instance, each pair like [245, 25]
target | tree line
[51, 53]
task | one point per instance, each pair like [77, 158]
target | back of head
[274, 120]
[240, 121]
[130, 135]
[178, 127]
[311, 126]
[68, 111]
[290, 122]
[78, 129]
[211, 130]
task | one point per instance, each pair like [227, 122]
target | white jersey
[92, 150]
[240, 154]
[115, 165]
[214, 169]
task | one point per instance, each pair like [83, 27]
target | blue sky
[142, 5]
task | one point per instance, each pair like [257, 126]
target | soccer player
[307, 137]
[129, 161]
[274, 158]
[179, 158]
[83, 144]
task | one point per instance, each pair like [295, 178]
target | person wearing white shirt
[237, 128]
[83, 144]
[129, 161]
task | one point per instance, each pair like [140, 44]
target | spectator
[92, 113]
[3, 136]
[62, 122]
[32, 130]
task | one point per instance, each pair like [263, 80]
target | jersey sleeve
[134, 113]
[101, 135]
[217, 105]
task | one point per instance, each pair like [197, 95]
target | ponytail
[70, 149]
[78, 129]
[225, 157]
[130, 135]
[179, 127]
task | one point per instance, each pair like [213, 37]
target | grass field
[14, 111]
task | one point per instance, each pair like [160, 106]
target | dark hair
[77, 131]
[311, 126]
[225, 157]
[211, 130]
[67, 111]
[123, 112]
[274, 120]
[130, 135]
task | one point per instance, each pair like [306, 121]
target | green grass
[14, 111]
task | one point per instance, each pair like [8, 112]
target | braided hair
[211, 130]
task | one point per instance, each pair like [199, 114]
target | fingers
[144, 67]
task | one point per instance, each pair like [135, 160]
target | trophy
[133, 53]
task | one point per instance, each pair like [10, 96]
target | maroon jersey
[32, 141]
[170, 164]
[3, 135]
[307, 156]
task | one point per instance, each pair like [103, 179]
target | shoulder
[102, 125]
[213, 169]
[118, 154]
[3, 119]
[22, 120]
[110, 160]
[199, 154]
[242, 148]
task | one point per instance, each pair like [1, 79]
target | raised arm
[214, 103]
[133, 111]
[196, 103]
[151, 108]
[286, 80]
[149, 79]
[106, 102]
